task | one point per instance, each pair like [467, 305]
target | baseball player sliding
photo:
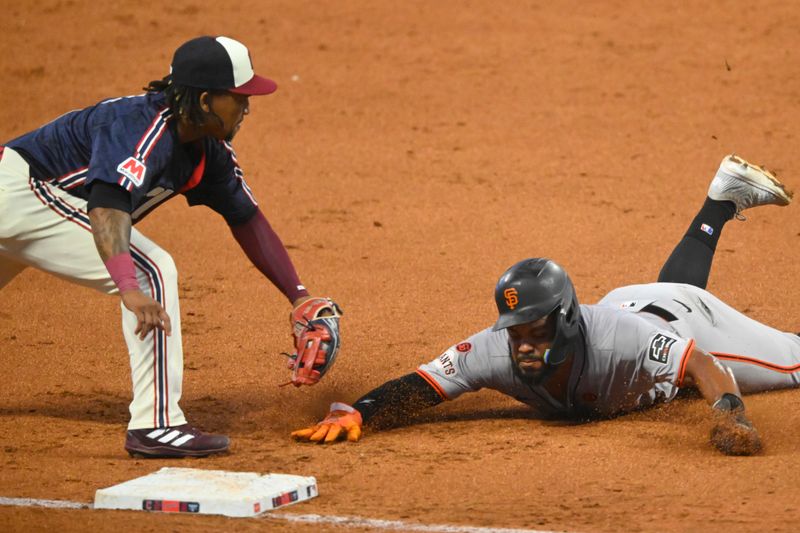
[71, 190]
[635, 348]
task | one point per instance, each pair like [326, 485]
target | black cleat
[178, 441]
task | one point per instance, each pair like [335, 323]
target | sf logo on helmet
[511, 297]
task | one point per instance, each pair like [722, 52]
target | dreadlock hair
[183, 100]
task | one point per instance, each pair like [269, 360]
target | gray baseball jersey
[633, 359]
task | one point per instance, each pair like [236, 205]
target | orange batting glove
[341, 420]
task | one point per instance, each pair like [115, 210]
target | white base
[190, 490]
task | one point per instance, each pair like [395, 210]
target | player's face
[229, 110]
[529, 343]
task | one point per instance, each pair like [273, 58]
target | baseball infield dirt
[413, 151]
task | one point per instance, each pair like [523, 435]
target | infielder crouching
[635, 348]
[71, 190]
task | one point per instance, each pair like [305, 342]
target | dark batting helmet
[536, 288]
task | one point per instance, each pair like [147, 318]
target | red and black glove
[315, 329]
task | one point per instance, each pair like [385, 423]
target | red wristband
[122, 272]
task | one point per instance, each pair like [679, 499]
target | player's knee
[167, 270]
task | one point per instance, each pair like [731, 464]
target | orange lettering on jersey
[511, 297]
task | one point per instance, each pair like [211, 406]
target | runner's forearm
[396, 401]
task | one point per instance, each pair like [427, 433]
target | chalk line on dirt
[345, 521]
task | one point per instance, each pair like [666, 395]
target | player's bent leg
[48, 229]
[9, 267]
[156, 361]
[690, 261]
[758, 370]
[762, 358]
[61, 242]
[737, 185]
[158, 426]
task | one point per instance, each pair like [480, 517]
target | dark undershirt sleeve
[109, 195]
[397, 401]
[265, 249]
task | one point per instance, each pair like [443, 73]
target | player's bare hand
[734, 434]
[342, 421]
[149, 313]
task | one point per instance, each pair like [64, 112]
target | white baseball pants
[44, 227]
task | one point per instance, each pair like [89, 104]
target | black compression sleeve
[396, 401]
[690, 261]
[109, 195]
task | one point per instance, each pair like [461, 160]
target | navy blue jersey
[133, 142]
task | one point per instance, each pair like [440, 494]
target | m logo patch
[133, 169]
[660, 347]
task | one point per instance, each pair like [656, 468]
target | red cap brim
[257, 85]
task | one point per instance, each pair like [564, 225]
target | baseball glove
[733, 433]
[315, 329]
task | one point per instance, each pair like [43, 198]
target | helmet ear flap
[558, 351]
[569, 314]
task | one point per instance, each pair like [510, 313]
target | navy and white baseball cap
[218, 63]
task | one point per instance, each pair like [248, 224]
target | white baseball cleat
[747, 185]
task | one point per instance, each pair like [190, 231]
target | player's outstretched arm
[314, 321]
[268, 254]
[392, 403]
[733, 433]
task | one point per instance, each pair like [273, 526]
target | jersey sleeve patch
[660, 347]
[134, 170]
